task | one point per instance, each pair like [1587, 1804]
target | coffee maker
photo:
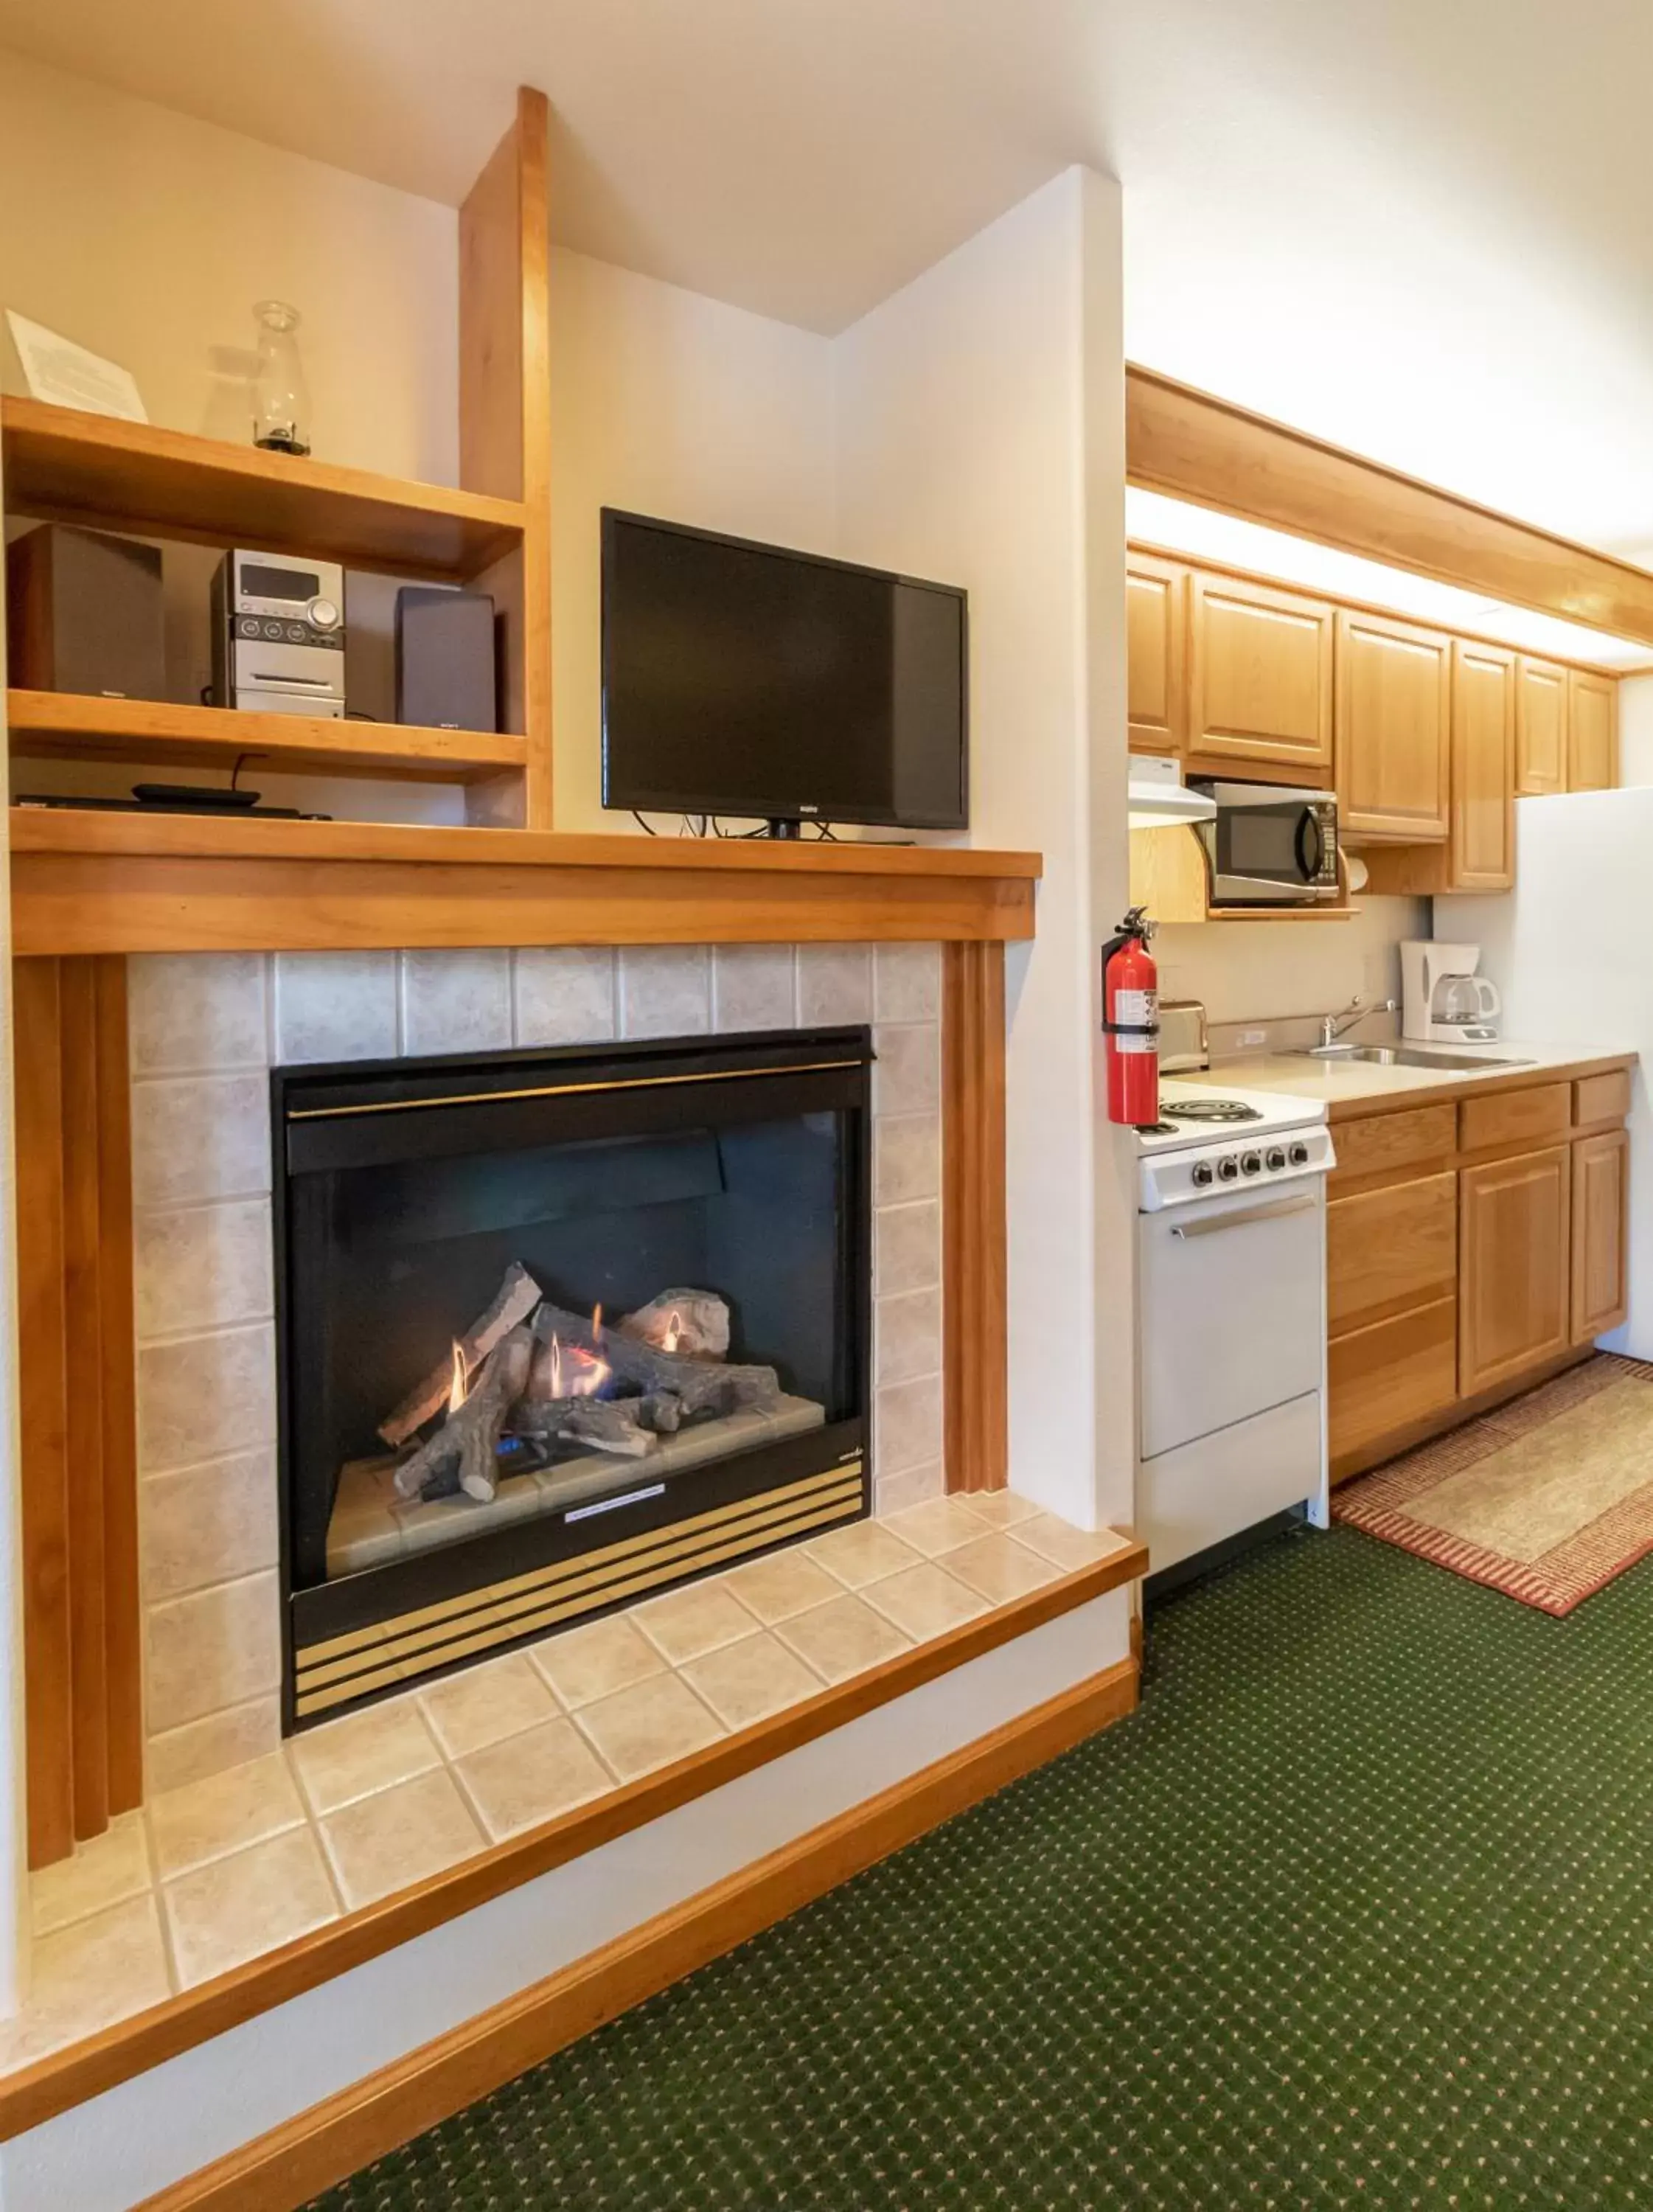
[1443, 999]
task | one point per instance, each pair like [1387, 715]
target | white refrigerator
[1572, 950]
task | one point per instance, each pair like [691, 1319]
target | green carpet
[1357, 1910]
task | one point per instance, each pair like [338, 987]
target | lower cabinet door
[1514, 1247]
[1381, 1378]
[1600, 1199]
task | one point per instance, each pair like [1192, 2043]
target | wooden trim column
[505, 433]
[81, 1634]
[977, 1421]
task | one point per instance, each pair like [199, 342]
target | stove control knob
[1299, 1154]
[1276, 1160]
[1229, 1169]
[1251, 1163]
[1201, 1174]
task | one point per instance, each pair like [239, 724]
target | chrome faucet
[1332, 1026]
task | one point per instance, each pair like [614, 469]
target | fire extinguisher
[1130, 1022]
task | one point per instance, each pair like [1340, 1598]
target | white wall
[1260, 972]
[980, 423]
[670, 404]
[1635, 729]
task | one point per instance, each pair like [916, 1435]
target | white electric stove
[1231, 1317]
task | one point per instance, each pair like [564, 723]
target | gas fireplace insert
[556, 1330]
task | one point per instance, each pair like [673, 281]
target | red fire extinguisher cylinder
[1130, 1021]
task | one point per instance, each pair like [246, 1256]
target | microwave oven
[1269, 844]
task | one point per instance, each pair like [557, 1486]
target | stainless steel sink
[1400, 1056]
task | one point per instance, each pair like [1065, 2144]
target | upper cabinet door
[1157, 652]
[1393, 710]
[1260, 687]
[1592, 731]
[1541, 727]
[1483, 768]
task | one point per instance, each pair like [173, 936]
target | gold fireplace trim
[569, 1090]
[401, 1652]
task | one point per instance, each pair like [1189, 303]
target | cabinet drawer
[1516, 1117]
[1383, 1378]
[1390, 1249]
[1377, 1143]
[1600, 1097]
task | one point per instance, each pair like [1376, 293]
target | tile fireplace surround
[204, 1030]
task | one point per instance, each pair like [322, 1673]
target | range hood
[1158, 797]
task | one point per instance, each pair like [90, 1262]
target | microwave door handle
[1309, 829]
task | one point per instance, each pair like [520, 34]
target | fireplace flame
[576, 1372]
[671, 1336]
[458, 1388]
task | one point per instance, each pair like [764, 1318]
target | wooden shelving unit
[61, 465]
[58, 725]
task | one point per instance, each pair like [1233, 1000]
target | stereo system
[278, 635]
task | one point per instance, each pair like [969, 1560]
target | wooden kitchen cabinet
[1393, 710]
[1482, 846]
[1600, 1218]
[1592, 731]
[1383, 1378]
[1390, 1249]
[1157, 652]
[1260, 679]
[1541, 727]
[1515, 1220]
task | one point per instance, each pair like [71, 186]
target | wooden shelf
[62, 465]
[59, 725]
[84, 881]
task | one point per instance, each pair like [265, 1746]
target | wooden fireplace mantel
[87, 882]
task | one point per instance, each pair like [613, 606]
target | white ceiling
[1419, 227]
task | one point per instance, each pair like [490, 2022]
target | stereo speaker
[84, 613]
[445, 660]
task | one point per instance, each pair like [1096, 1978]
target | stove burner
[1211, 1109]
[1158, 1129]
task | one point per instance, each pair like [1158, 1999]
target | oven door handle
[1215, 1222]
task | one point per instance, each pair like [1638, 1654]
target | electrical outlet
[1252, 1036]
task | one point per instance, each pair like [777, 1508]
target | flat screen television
[745, 679]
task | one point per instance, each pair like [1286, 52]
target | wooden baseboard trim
[321, 2146]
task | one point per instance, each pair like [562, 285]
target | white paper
[58, 370]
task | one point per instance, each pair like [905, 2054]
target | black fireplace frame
[316, 1116]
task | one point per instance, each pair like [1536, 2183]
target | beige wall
[672, 404]
[1262, 971]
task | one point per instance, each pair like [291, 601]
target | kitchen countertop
[1349, 1087]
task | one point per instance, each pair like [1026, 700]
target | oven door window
[1267, 844]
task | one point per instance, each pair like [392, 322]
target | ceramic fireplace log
[515, 1299]
[608, 1425]
[692, 1322]
[655, 1413]
[465, 1449]
[700, 1386]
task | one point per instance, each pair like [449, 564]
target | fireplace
[556, 1330]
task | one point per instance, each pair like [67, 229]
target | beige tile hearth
[223, 1867]
[783, 1583]
[698, 1617]
[367, 1751]
[484, 1704]
[649, 1725]
[924, 1601]
[843, 1638]
[400, 1836]
[747, 1681]
[586, 1663]
[106, 1870]
[223, 1813]
[859, 1554]
[528, 1778]
[254, 1900]
[999, 1508]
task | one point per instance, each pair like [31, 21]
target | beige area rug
[1546, 1499]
